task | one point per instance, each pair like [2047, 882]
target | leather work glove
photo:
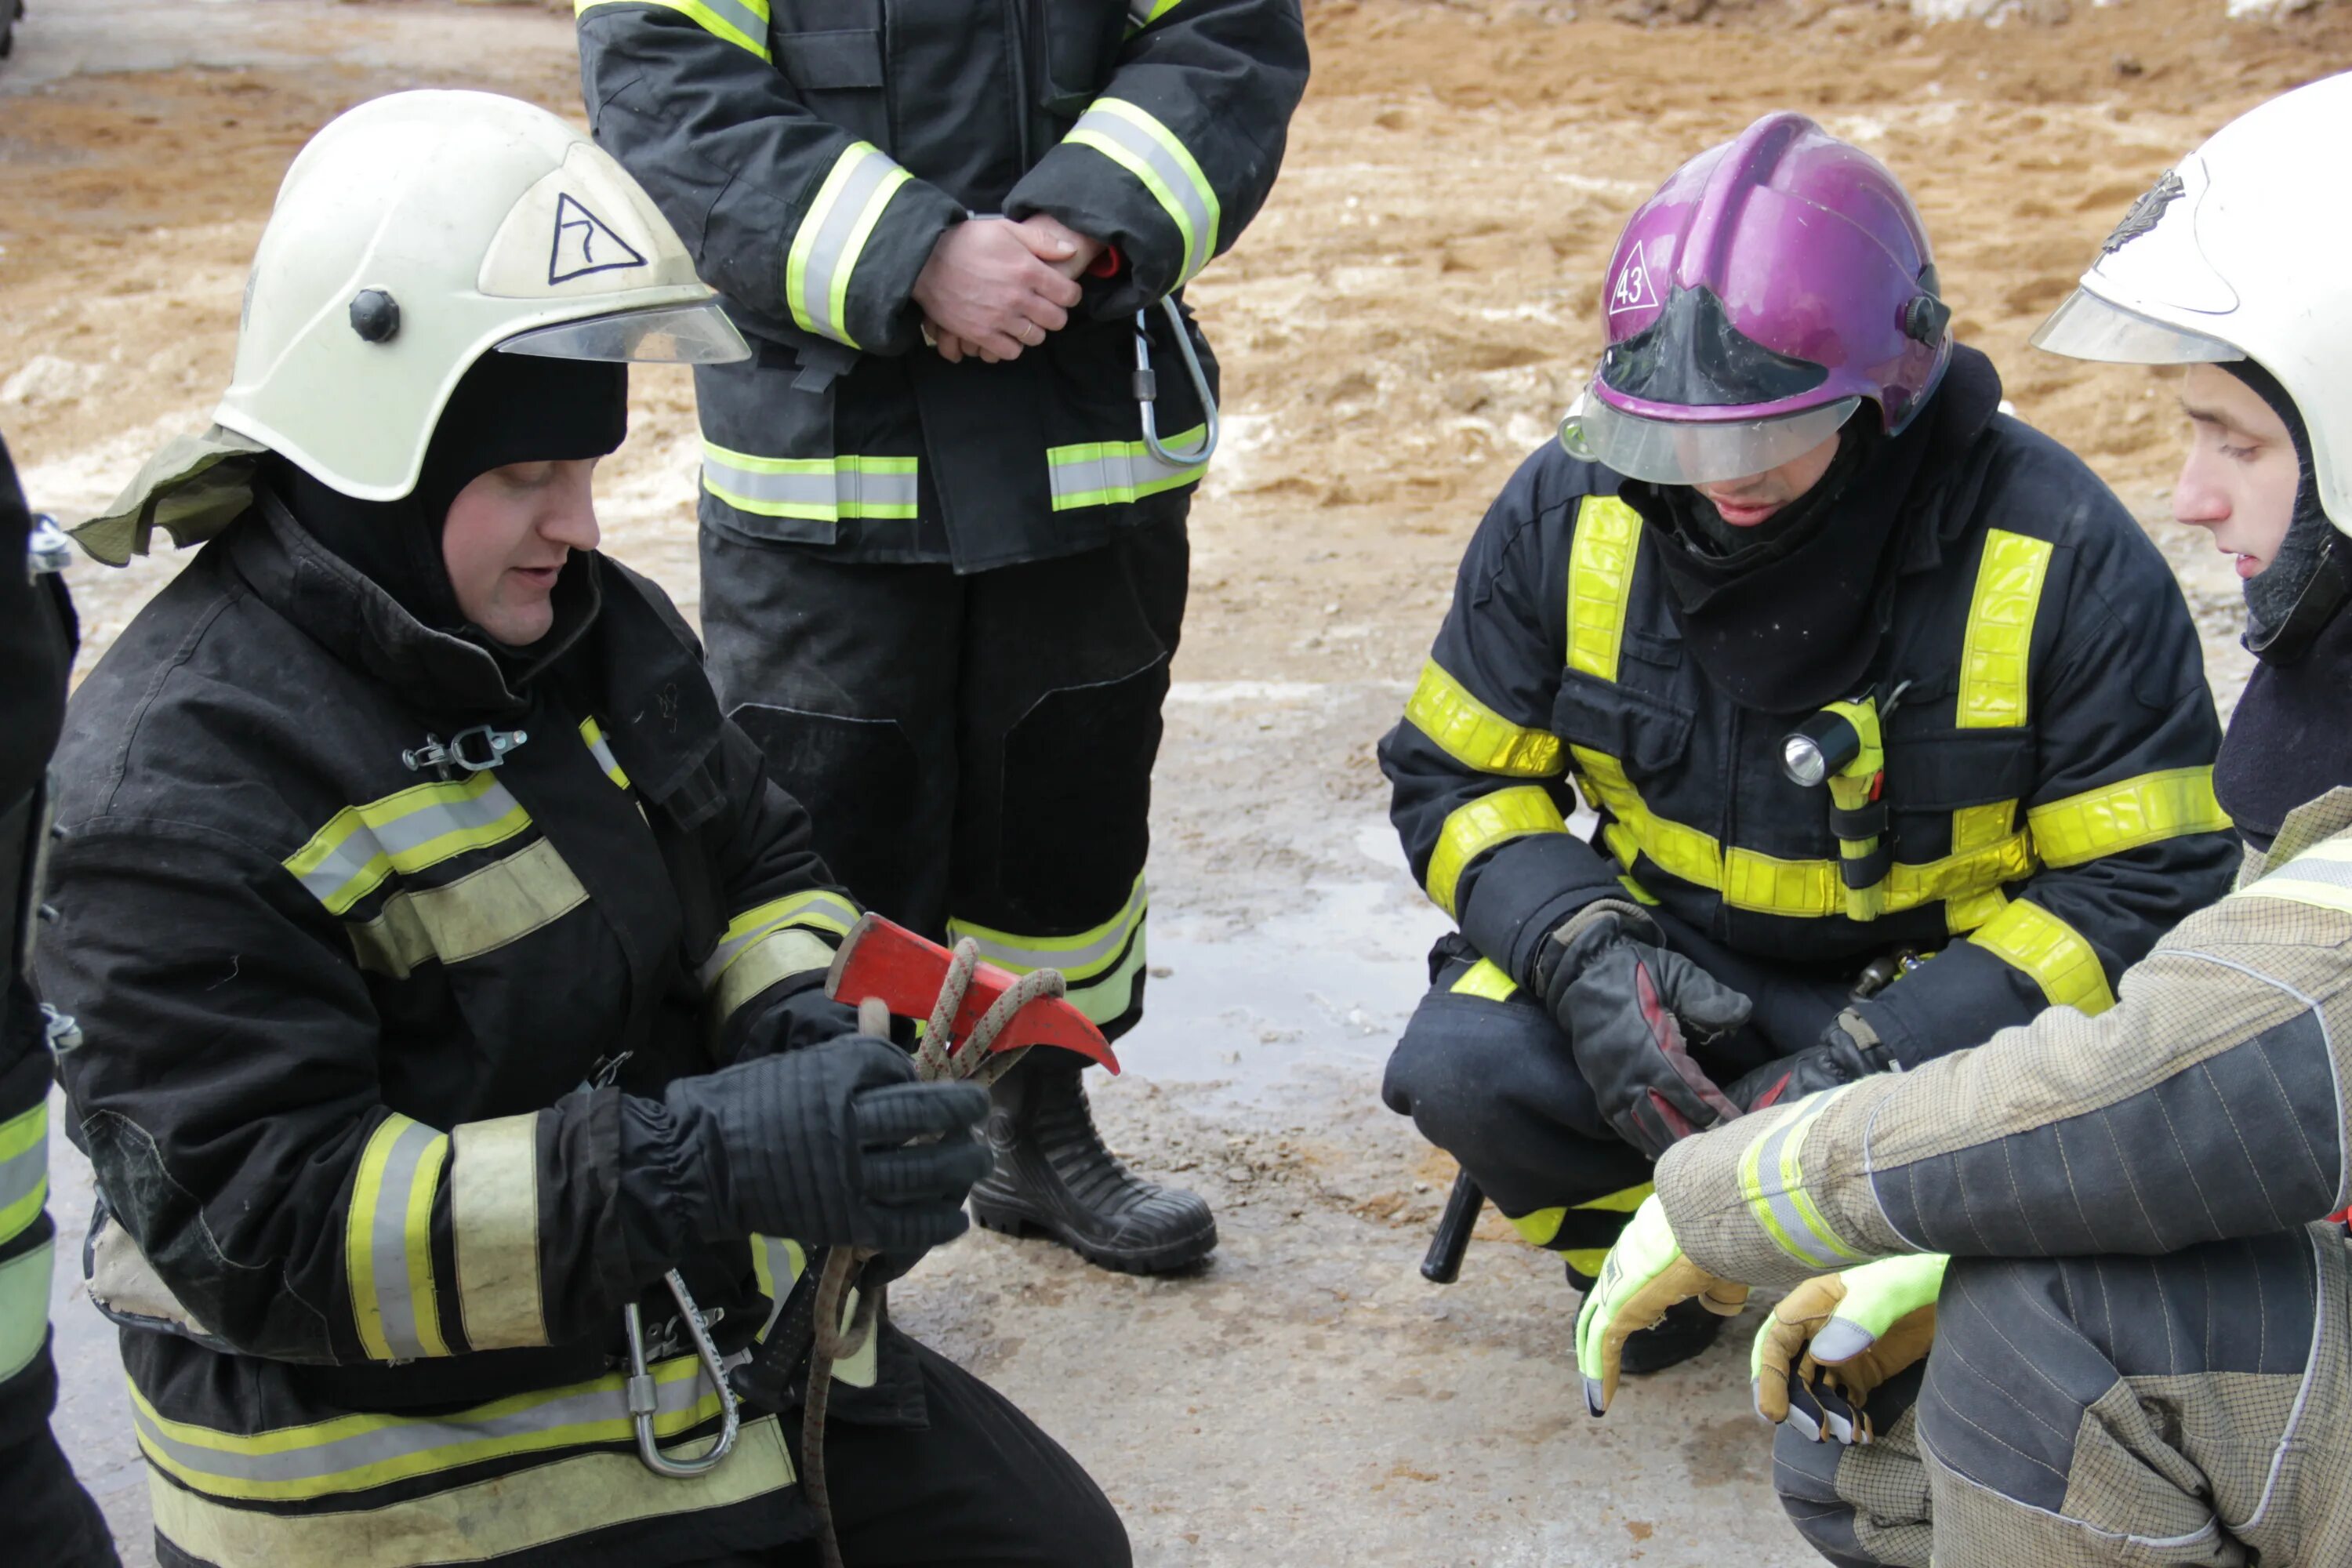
[1625, 1004]
[1645, 1274]
[1845, 1334]
[1849, 1048]
[834, 1145]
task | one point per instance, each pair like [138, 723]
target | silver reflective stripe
[1793, 1223]
[388, 1238]
[835, 488]
[494, 1211]
[823, 910]
[1111, 472]
[777, 1265]
[24, 1307]
[827, 246]
[1097, 948]
[406, 832]
[24, 1169]
[680, 1390]
[1138, 141]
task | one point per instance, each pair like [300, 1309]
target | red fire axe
[887, 962]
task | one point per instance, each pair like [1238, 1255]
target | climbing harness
[1146, 388]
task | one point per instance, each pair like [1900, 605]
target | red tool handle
[884, 960]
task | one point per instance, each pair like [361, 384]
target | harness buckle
[475, 750]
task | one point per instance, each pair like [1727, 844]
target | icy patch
[45, 381]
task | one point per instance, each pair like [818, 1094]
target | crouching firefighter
[50, 1518]
[2137, 1341]
[455, 1067]
[1895, 722]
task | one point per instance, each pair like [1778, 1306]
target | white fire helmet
[422, 230]
[2232, 257]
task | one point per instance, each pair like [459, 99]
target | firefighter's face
[1744, 503]
[507, 538]
[2240, 478]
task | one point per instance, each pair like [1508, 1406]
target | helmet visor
[1678, 452]
[672, 334]
[2087, 327]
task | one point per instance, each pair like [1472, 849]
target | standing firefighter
[944, 545]
[2140, 1351]
[456, 1061]
[48, 1513]
[1894, 719]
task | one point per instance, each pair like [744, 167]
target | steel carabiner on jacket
[1146, 388]
[644, 1396]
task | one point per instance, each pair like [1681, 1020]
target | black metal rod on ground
[1443, 1263]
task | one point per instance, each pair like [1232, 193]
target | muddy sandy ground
[1403, 323]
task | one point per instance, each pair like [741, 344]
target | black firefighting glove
[833, 1145]
[1625, 1004]
[1849, 1048]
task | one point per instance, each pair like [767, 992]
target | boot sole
[1018, 1221]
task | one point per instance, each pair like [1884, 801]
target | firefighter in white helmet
[2115, 1233]
[448, 968]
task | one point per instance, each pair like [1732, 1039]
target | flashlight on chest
[1844, 747]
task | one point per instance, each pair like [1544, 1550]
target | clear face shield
[1679, 452]
[669, 334]
[2088, 327]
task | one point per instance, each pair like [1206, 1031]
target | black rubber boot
[1688, 1330]
[1054, 1177]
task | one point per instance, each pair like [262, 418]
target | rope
[831, 1343]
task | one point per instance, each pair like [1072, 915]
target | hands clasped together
[994, 286]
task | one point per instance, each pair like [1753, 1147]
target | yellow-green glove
[1848, 1333]
[1645, 1274]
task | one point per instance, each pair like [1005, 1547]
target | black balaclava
[2301, 590]
[507, 409]
[1792, 615]
[2289, 741]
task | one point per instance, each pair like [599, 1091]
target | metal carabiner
[645, 1398]
[1146, 388]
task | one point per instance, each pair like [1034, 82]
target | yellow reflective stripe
[24, 1169]
[1485, 980]
[776, 1262]
[2321, 876]
[1625, 1200]
[1159, 8]
[1112, 473]
[1543, 1226]
[479, 913]
[817, 909]
[1100, 962]
[388, 1241]
[486, 1520]
[494, 1213]
[1585, 1260]
[1136, 140]
[2028, 936]
[407, 832]
[1983, 827]
[1480, 825]
[1996, 655]
[25, 1306]
[1772, 1183]
[824, 490]
[2116, 817]
[778, 956]
[358, 1452]
[832, 237]
[1599, 583]
[1473, 734]
[743, 23]
[1538, 1228]
[601, 750]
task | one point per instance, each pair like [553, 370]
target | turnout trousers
[1487, 1076]
[975, 751]
[2189, 1409]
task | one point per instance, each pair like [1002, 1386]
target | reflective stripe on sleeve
[1474, 735]
[2321, 876]
[1542, 1227]
[2120, 816]
[407, 832]
[2026, 936]
[25, 1307]
[743, 23]
[823, 490]
[23, 1169]
[1486, 981]
[816, 909]
[388, 1241]
[1772, 1181]
[1113, 473]
[776, 1263]
[601, 750]
[479, 913]
[832, 237]
[1481, 825]
[1995, 656]
[494, 1215]
[1137, 142]
[1099, 963]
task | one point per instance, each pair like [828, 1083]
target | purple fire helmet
[1772, 284]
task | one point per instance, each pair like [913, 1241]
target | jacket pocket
[1074, 44]
[1944, 770]
[1646, 733]
[830, 62]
